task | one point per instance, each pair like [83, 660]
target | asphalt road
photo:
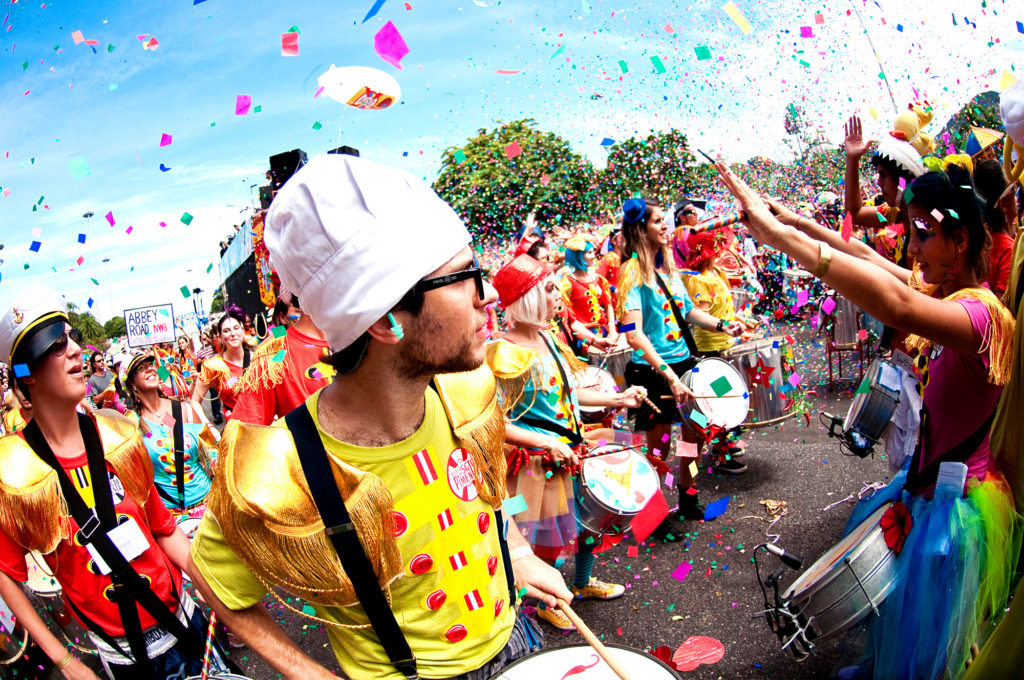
[719, 598]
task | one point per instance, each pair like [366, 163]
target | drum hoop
[583, 482]
[612, 645]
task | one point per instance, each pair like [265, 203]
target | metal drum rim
[611, 645]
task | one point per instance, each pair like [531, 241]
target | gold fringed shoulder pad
[471, 403]
[126, 453]
[263, 373]
[21, 470]
[507, 360]
[214, 371]
[263, 504]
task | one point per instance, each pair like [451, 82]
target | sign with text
[149, 325]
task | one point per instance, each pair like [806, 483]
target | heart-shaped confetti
[698, 650]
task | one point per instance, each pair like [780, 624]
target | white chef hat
[350, 237]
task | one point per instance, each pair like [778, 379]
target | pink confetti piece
[806, 32]
[847, 227]
[682, 571]
[165, 139]
[242, 104]
[794, 379]
[318, 92]
[110, 217]
[506, 72]
[389, 45]
[78, 37]
[513, 150]
[289, 44]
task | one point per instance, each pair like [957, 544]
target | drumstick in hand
[651, 403]
[709, 396]
[594, 642]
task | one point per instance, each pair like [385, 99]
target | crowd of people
[409, 451]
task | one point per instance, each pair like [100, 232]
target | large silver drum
[843, 317]
[598, 379]
[874, 403]
[845, 585]
[760, 364]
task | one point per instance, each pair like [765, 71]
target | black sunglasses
[474, 272]
[60, 345]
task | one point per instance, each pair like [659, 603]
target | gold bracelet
[824, 259]
[64, 661]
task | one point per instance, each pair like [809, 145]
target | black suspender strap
[577, 437]
[680, 321]
[129, 587]
[339, 528]
[246, 357]
[179, 451]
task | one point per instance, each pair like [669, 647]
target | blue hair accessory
[633, 210]
[396, 327]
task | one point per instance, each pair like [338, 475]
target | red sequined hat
[517, 277]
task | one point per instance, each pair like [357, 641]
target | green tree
[114, 327]
[798, 136]
[217, 301]
[494, 193]
[659, 168]
[92, 331]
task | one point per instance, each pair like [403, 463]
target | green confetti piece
[460, 156]
[209, 267]
[317, 125]
[257, 108]
[186, 219]
[514, 505]
[279, 331]
[163, 373]
[24, 66]
[293, 29]
[522, 592]
[721, 386]
[279, 357]
[703, 52]
[308, 610]
[622, 65]
[185, 292]
[658, 66]
[110, 49]
[699, 418]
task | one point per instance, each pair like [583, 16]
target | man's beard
[424, 356]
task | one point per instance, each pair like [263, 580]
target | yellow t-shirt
[452, 600]
[712, 288]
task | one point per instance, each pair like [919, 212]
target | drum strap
[958, 454]
[575, 436]
[680, 321]
[316, 467]
[94, 525]
[179, 451]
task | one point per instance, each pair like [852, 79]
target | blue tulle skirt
[955, 572]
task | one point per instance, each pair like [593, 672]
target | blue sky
[111, 108]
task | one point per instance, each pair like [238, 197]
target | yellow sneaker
[598, 590]
[555, 617]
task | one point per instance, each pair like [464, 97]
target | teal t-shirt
[160, 444]
[551, 402]
[659, 324]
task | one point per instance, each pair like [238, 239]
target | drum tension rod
[848, 563]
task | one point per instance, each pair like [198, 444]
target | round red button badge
[401, 523]
[436, 599]
[421, 564]
[483, 522]
[456, 633]
[492, 565]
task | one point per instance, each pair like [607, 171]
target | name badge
[129, 541]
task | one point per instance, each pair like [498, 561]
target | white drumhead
[726, 399]
[827, 562]
[40, 580]
[557, 663]
[623, 479]
[595, 378]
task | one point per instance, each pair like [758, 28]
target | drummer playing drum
[710, 292]
[588, 298]
[661, 353]
[541, 397]
[955, 539]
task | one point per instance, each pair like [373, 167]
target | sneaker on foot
[555, 617]
[598, 590]
[736, 451]
[729, 467]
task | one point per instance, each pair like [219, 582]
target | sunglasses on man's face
[474, 272]
[60, 346]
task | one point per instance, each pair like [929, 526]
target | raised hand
[855, 144]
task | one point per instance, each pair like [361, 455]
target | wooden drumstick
[594, 642]
[708, 396]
